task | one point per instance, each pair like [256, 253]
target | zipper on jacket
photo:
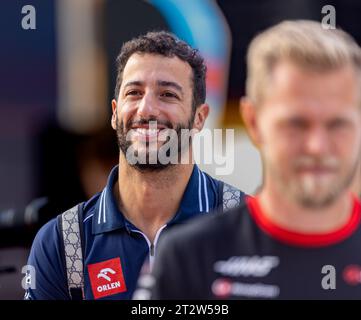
[151, 249]
[152, 246]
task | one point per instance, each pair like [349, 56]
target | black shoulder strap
[70, 226]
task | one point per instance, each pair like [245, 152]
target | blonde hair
[302, 42]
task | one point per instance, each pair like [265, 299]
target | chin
[316, 199]
[156, 167]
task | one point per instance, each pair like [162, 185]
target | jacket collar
[108, 217]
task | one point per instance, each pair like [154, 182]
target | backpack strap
[70, 225]
[231, 197]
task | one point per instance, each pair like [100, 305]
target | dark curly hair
[168, 45]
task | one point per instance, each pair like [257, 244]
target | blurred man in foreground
[299, 238]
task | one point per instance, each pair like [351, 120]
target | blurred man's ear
[114, 115]
[248, 112]
[201, 116]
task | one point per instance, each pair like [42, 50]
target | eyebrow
[133, 83]
[161, 83]
[170, 84]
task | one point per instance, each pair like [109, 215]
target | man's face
[310, 133]
[154, 88]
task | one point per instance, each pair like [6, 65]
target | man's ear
[114, 115]
[248, 112]
[201, 116]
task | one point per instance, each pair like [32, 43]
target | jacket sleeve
[49, 280]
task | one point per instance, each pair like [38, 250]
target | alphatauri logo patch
[106, 278]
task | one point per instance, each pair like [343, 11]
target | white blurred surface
[247, 172]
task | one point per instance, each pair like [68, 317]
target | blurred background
[57, 81]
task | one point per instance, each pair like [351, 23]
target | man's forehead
[152, 61]
[312, 112]
[291, 75]
[158, 69]
[295, 85]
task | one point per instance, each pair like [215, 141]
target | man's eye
[169, 95]
[338, 124]
[297, 124]
[133, 93]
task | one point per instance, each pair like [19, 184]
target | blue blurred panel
[202, 25]
[27, 96]
[194, 20]
[27, 57]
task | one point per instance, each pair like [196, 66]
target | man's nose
[147, 106]
[317, 141]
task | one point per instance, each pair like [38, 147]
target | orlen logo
[106, 278]
[103, 273]
[352, 275]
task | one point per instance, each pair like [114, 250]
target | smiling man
[96, 249]
[299, 238]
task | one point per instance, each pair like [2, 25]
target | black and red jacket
[242, 255]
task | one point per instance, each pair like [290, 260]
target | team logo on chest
[106, 278]
[245, 266]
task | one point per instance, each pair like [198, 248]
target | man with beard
[299, 237]
[96, 249]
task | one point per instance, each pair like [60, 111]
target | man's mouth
[317, 170]
[147, 132]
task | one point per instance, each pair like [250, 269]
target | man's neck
[150, 199]
[291, 216]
